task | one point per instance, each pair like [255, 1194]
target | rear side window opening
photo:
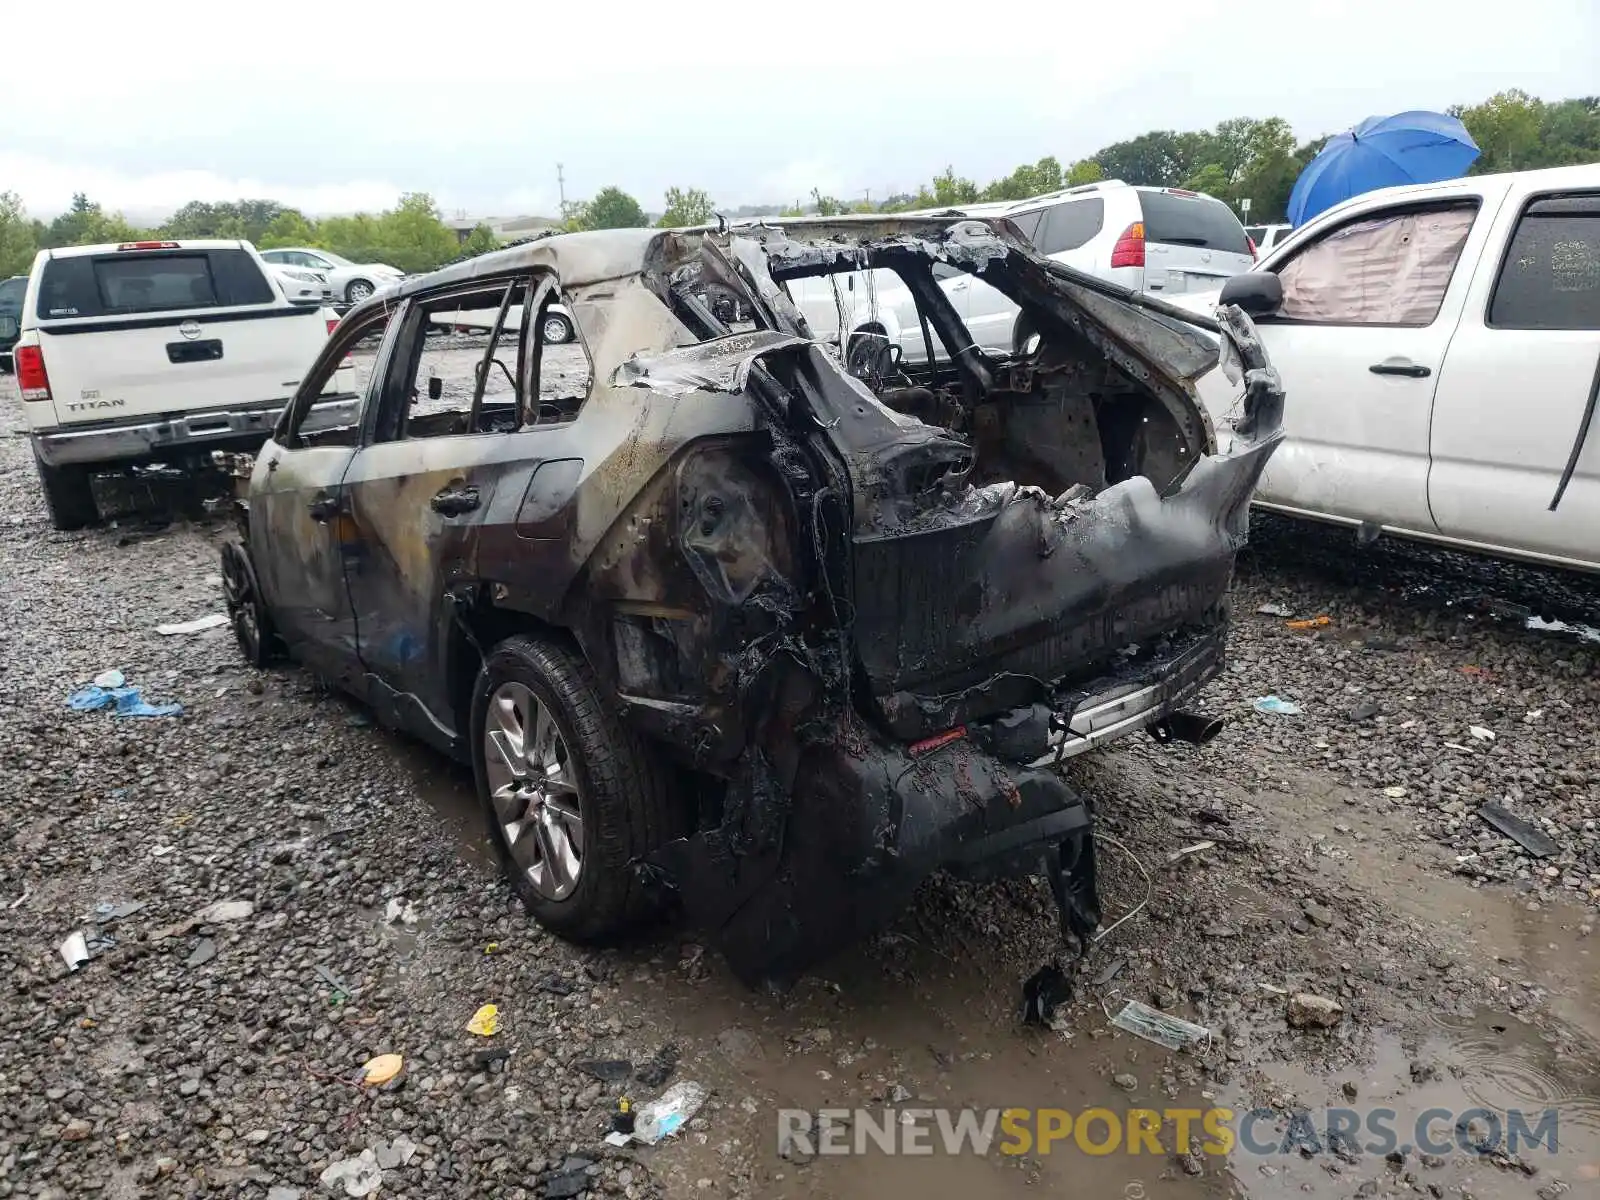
[138, 283]
[1197, 221]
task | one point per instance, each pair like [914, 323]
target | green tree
[1210, 179]
[686, 207]
[356, 237]
[613, 208]
[17, 240]
[413, 237]
[827, 206]
[87, 224]
[950, 191]
[1085, 170]
[480, 241]
[288, 228]
[1160, 158]
[247, 219]
[1506, 127]
[1030, 179]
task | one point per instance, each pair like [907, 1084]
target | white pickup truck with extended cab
[1442, 344]
[158, 351]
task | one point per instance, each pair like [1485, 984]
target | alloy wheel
[534, 790]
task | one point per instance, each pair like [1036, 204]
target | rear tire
[557, 329]
[622, 797]
[67, 494]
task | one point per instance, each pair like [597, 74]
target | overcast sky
[347, 104]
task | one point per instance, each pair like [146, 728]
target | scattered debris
[486, 1021]
[110, 679]
[1185, 851]
[1126, 1081]
[225, 912]
[202, 953]
[1394, 793]
[660, 1067]
[1275, 610]
[1316, 622]
[381, 1069]
[571, 1179]
[1527, 835]
[1110, 971]
[555, 985]
[75, 950]
[106, 912]
[400, 910]
[358, 1176]
[1481, 733]
[1046, 990]
[606, 1070]
[340, 990]
[19, 901]
[1310, 1011]
[123, 701]
[397, 1152]
[1274, 704]
[1366, 710]
[668, 1113]
[1156, 1026]
[622, 1119]
[198, 625]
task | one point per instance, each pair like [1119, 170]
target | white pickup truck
[158, 351]
[1442, 345]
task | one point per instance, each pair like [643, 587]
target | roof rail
[1079, 190]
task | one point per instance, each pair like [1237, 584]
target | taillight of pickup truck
[31, 376]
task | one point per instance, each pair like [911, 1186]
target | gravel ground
[217, 1053]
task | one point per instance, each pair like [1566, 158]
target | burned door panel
[298, 525]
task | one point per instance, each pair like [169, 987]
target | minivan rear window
[11, 293]
[1197, 221]
[137, 283]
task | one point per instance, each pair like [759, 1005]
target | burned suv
[717, 621]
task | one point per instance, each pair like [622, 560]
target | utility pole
[561, 187]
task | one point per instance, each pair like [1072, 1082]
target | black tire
[624, 794]
[350, 290]
[67, 494]
[553, 321]
[252, 624]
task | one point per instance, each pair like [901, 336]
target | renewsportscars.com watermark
[1209, 1131]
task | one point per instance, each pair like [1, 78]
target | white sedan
[351, 283]
[301, 285]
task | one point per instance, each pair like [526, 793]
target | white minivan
[1440, 344]
[1164, 241]
[158, 351]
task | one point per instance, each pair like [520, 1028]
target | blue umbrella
[1409, 147]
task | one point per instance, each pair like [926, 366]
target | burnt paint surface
[783, 581]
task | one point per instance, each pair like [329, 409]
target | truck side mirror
[1257, 292]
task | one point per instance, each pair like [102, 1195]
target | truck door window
[1389, 269]
[1550, 278]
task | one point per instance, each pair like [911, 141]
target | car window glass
[1068, 226]
[1027, 222]
[1198, 221]
[456, 341]
[342, 372]
[1256, 233]
[943, 271]
[1550, 278]
[1391, 269]
[132, 283]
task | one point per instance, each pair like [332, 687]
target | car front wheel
[572, 797]
[357, 290]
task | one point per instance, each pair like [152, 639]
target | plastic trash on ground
[1276, 705]
[124, 701]
[198, 625]
[668, 1113]
[381, 1069]
[1153, 1025]
[110, 679]
[75, 950]
[359, 1176]
[1311, 622]
[486, 1021]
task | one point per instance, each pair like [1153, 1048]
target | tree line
[1238, 159]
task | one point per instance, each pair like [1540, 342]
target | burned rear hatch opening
[878, 623]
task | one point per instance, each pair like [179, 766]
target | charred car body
[734, 624]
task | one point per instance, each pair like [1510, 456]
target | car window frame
[339, 346]
[1050, 215]
[538, 288]
[1402, 208]
[1592, 195]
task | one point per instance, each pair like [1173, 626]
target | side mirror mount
[435, 387]
[1258, 293]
